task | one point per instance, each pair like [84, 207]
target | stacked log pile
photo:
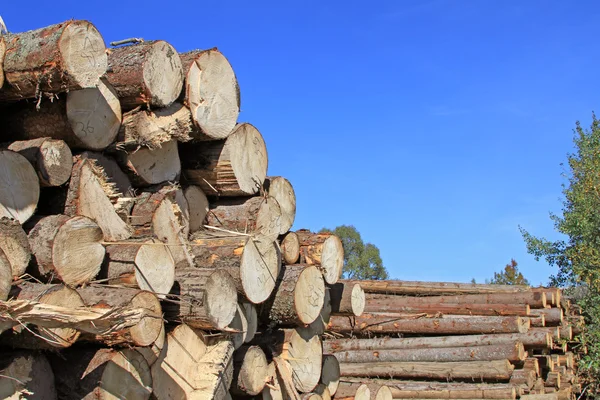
[144, 251]
[434, 340]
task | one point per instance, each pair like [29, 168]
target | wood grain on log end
[281, 190]
[52, 159]
[198, 205]
[290, 248]
[20, 188]
[15, 246]
[250, 371]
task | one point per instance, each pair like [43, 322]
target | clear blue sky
[435, 127]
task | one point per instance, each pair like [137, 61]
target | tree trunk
[347, 299]
[554, 295]
[148, 73]
[281, 190]
[26, 375]
[396, 304]
[259, 216]
[512, 352]
[533, 299]
[84, 119]
[188, 369]
[324, 249]
[481, 370]
[67, 248]
[211, 92]
[253, 264]
[236, 166]
[415, 324]
[203, 298]
[146, 265]
[299, 297]
[552, 316]
[90, 195]
[290, 248]
[52, 159]
[15, 246]
[55, 59]
[330, 373]
[436, 288]
[146, 166]
[90, 374]
[198, 204]
[20, 188]
[143, 333]
[250, 371]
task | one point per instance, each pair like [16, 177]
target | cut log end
[83, 53]
[148, 329]
[219, 294]
[305, 356]
[309, 295]
[52, 159]
[163, 74]
[154, 166]
[259, 269]
[155, 268]
[250, 371]
[332, 259]
[358, 300]
[24, 373]
[198, 205]
[60, 296]
[281, 190]
[19, 187]
[384, 393]
[15, 246]
[330, 373]
[363, 393]
[249, 159]
[290, 248]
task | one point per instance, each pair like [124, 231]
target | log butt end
[332, 259]
[163, 74]
[221, 298]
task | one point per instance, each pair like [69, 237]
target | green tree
[577, 254]
[361, 260]
[510, 275]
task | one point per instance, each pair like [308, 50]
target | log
[114, 175]
[481, 370]
[15, 246]
[203, 298]
[146, 265]
[554, 294]
[533, 299]
[319, 325]
[523, 377]
[84, 119]
[251, 315]
[87, 373]
[67, 248]
[55, 59]
[240, 325]
[189, 369]
[513, 352]
[144, 333]
[26, 375]
[540, 340]
[250, 371]
[254, 264]
[538, 321]
[211, 92]
[553, 380]
[378, 391]
[347, 299]
[436, 288]
[198, 204]
[281, 190]
[273, 389]
[384, 393]
[549, 396]
[290, 248]
[284, 373]
[152, 353]
[236, 166]
[415, 324]
[552, 316]
[393, 303]
[6, 277]
[323, 391]
[259, 216]
[553, 331]
[150, 166]
[298, 299]
[148, 73]
[532, 364]
[52, 159]
[19, 187]
[330, 373]
[311, 396]
[90, 195]
[323, 249]
[356, 391]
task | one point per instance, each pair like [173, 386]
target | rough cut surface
[250, 370]
[52, 159]
[19, 187]
[322, 249]
[211, 92]
[59, 58]
[15, 245]
[290, 248]
[148, 167]
[145, 73]
[281, 190]
[5, 278]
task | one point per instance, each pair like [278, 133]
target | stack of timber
[440, 340]
[144, 251]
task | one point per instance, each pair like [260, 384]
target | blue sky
[435, 127]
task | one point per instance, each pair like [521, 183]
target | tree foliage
[509, 276]
[577, 256]
[361, 260]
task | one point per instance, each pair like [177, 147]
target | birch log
[323, 249]
[19, 187]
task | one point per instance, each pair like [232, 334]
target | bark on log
[67, 248]
[513, 352]
[84, 119]
[281, 190]
[211, 92]
[533, 299]
[436, 288]
[549, 396]
[258, 216]
[198, 205]
[552, 316]
[26, 375]
[147, 265]
[538, 321]
[554, 332]
[58, 58]
[392, 303]
[434, 390]
[144, 333]
[250, 371]
[15, 246]
[189, 369]
[399, 323]
[330, 373]
[91, 374]
[203, 298]
[20, 187]
[323, 249]
[480, 370]
[298, 299]
[146, 166]
[532, 364]
[290, 248]
[52, 159]
[90, 195]
[253, 264]
[236, 166]
[553, 294]
[347, 299]
[148, 73]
